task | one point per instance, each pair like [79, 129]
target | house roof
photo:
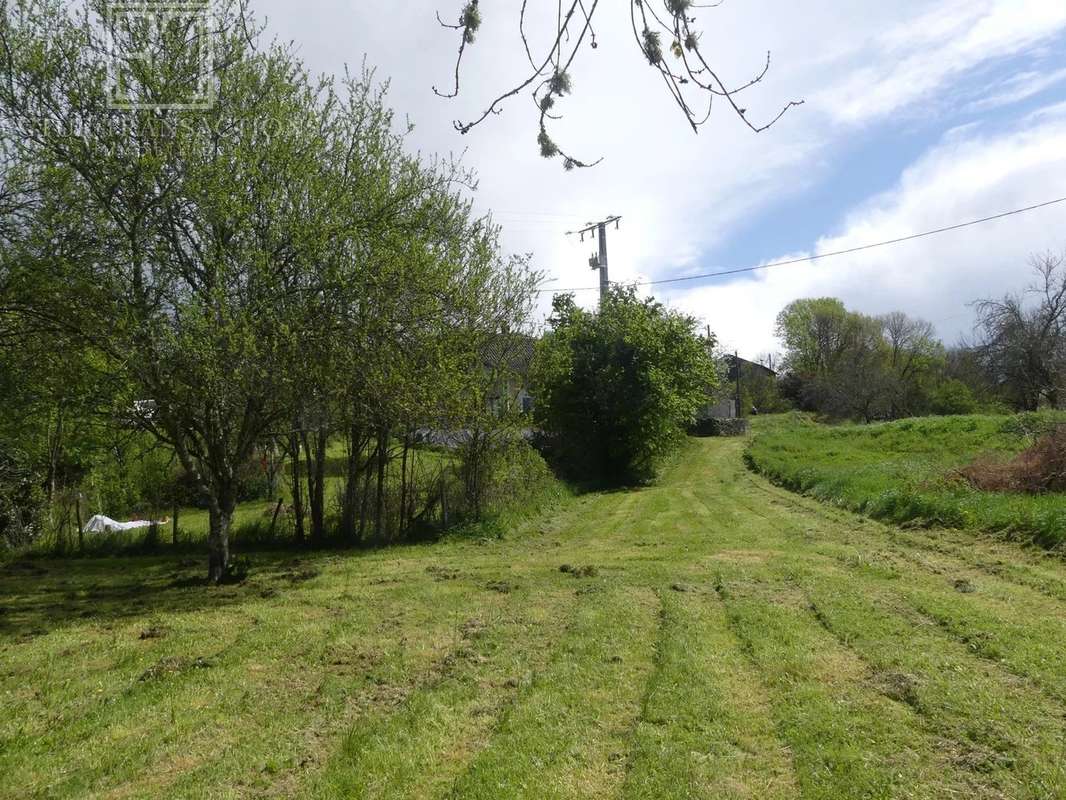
[513, 351]
[748, 366]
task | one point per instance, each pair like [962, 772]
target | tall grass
[907, 471]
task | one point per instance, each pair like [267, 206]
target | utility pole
[736, 366]
[599, 260]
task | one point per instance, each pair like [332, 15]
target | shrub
[952, 397]
[618, 388]
[1041, 468]
[501, 473]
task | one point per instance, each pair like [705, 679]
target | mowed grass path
[735, 641]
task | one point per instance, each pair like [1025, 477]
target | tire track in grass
[1008, 561]
[847, 739]
[420, 748]
[705, 730]
[565, 736]
[1004, 735]
[361, 664]
[1016, 628]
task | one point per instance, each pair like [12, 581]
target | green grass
[734, 640]
[904, 472]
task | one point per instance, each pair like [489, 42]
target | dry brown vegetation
[1037, 469]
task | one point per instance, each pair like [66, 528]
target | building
[509, 357]
[725, 403]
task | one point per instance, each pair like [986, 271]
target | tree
[618, 388]
[915, 361]
[1023, 343]
[679, 59]
[270, 267]
[194, 240]
[846, 364]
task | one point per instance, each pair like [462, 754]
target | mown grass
[731, 640]
[906, 471]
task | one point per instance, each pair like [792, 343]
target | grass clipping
[1036, 470]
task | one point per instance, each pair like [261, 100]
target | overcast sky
[919, 114]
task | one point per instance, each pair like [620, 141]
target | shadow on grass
[40, 596]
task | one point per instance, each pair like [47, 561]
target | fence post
[81, 532]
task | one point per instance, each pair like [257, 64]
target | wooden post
[174, 526]
[81, 532]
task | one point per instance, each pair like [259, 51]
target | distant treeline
[844, 364]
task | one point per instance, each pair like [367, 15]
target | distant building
[510, 356]
[725, 402]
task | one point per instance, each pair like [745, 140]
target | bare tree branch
[550, 78]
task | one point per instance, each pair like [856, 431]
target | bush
[952, 397]
[1041, 468]
[500, 474]
[617, 389]
[21, 501]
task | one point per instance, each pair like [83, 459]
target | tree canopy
[618, 388]
[271, 267]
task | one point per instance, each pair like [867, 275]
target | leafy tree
[915, 361]
[617, 388]
[846, 364]
[210, 261]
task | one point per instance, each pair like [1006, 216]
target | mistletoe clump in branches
[689, 78]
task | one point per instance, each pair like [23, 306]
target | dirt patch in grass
[173, 665]
[439, 573]
[897, 686]
[587, 571]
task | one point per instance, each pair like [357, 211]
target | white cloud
[1017, 88]
[903, 68]
[682, 194]
[967, 176]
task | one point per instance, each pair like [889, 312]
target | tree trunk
[54, 448]
[315, 459]
[220, 515]
[273, 465]
[81, 533]
[403, 483]
[318, 501]
[356, 445]
[364, 501]
[274, 519]
[379, 505]
[297, 488]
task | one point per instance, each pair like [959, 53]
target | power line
[820, 256]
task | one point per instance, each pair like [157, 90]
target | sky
[918, 114]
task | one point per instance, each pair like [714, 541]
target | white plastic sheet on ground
[101, 524]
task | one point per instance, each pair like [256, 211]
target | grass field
[714, 636]
[903, 471]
